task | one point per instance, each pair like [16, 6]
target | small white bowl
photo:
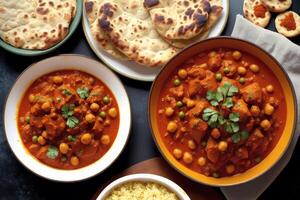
[173, 187]
[63, 62]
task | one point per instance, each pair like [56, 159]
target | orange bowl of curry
[222, 112]
[68, 118]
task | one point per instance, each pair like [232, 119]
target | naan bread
[178, 19]
[35, 24]
[214, 15]
[288, 24]
[256, 12]
[130, 29]
[277, 5]
[92, 8]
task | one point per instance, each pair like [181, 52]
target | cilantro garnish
[67, 92]
[224, 93]
[83, 92]
[72, 122]
[52, 152]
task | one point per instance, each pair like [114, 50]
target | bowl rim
[30, 52]
[293, 97]
[144, 177]
[45, 165]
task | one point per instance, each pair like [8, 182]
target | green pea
[27, 119]
[226, 70]
[244, 135]
[176, 82]
[181, 114]
[106, 100]
[257, 159]
[242, 80]
[216, 175]
[179, 104]
[218, 76]
[236, 138]
[71, 138]
[102, 114]
[63, 159]
[34, 139]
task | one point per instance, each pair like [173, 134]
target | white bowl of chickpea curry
[69, 124]
[218, 111]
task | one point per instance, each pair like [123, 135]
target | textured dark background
[16, 182]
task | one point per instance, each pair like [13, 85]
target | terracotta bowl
[268, 60]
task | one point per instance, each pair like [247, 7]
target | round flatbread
[130, 29]
[288, 24]
[277, 5]
[35, 24]
[92, 8]
[214, 15]
[178, 19]
[256, 12]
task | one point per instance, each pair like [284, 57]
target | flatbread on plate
[178, 19]
[129, 27]
[256, 12]
[288, 24]
[214, 15]
[35, 24]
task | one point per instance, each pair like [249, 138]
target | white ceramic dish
[173, 187]
[46, 66]
[131, 69]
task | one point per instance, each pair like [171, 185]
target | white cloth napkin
[288, 54]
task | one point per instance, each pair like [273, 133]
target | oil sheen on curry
[221, 112]
[68, 119]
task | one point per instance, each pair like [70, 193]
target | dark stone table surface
[16, 182]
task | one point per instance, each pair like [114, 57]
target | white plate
[46, 66]
[131, 69]
[173, 187]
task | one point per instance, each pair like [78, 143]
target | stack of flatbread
[259, 12]
[35, 24]
[150, 32]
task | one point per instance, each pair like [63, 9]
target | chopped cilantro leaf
[52, 152]
[72, 122]
[67, 92]
[83, 92]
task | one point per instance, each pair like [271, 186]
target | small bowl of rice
[143, 187]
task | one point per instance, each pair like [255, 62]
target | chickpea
[74, 160]
[63, 148]
[169, 111]
[44, 134]
[236, 55]
[230, 169]
[31, 98]
[90, 118]
[94, 107]
[91, 80]
[46, 106]
[242, 71]
[57, 80]
[191, 144]
[190, 103]
[269, 109]
[270, 88]
[182, 73]
[255, 111]
[177, 153]
[215, 133]
[41, 140]
[254, 68]
[113, 112]
[265, 124]
[187, 158]
[105, 139]
[203, 66]
[222, 146]
[86, 138]
[201, 161]
[172, 127]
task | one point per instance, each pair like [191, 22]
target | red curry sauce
[68, 119]
[199, 126]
